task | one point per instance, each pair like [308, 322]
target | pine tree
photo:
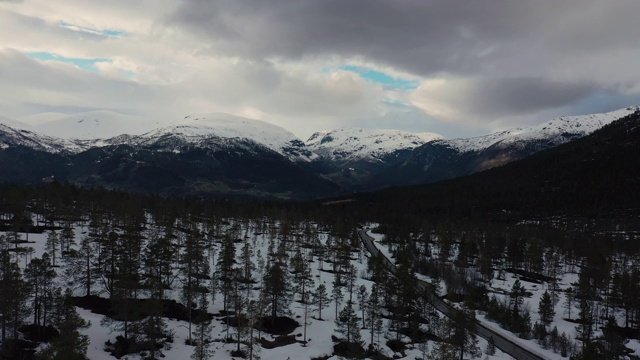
[444, 347]
[585, 329]
[463, 336]
[51, 246]
[613, 343]
[320, 299]
[336, 293]
[363, 299]
[348, 324]
[194, 268]
[224, 269]
[254, 311]
[79, 271]
[70, 344]
[569, 299]
[278, 290]
[248, 267]
[546, 308]
[373, 311]
[40, 276]
[67, 237]
[517, 297]
[13, 297]
[202, 349]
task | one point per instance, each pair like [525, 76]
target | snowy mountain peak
[196, 128]
[357, 143]
[99, 124]
[13, 133]
[558, 131]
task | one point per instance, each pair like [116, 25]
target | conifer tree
[39, 276]
[613, 343]
[320, 299]
[224, 268]
[278, 290]
[585, 329]
[13, 297]
[70, 344]
[363, 299]
[546, 309]
[193, 268]
[348, 324]
[67, 238]
[336, 293]
[202, 350]
[457, 337]
[79, 270]
[51, 246]
[517, 294]
[568, 303]
[373, 311]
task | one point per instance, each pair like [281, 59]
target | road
[502, 342]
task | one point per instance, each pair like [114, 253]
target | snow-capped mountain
[349, 144]
[13, 133]
[99, 124]
[200, 130]
[446, 159]
[556, 131]
[198, 155]
[223, 153]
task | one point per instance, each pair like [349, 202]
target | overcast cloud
[478, 66]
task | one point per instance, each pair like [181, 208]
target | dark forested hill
[596, 176]
[238, 170]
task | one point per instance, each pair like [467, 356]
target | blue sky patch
[113, 33]
[382, 77]
[85, 64]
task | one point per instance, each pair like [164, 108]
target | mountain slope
[595, 176]
[203, 155]
[350, 156]
[353, 144]
[199, 130]
[446, 159]
[218, 153]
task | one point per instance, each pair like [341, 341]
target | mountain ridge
[230, 148]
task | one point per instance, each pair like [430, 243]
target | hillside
[447, 159]
[593, 176]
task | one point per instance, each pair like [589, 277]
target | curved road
[502, 342]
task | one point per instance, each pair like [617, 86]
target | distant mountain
[351, 155]
[355, 144]
[99, 124]
[200, 155]
[223, 154]
[596, 176]
[446, 159]
[204, 129]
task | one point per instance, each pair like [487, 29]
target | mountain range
[220, 154]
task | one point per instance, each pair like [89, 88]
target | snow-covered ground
[319, 331]
[502, 287]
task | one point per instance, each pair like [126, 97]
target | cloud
[425, 65]
[422, 37]
[487, 100]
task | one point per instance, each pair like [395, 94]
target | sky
[457, 68]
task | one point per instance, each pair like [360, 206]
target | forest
[214, 279]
